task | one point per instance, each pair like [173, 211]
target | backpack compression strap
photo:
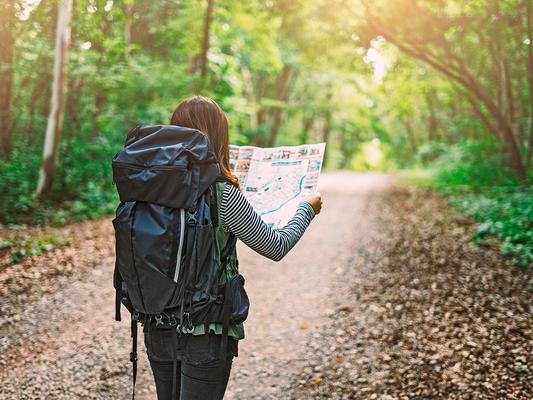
[228, 302]
[118, 293]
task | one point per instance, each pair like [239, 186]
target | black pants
[198, 376]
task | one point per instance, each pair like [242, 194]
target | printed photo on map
[233, 153]
[243, 166]
[314, 151]
[232, 164]
[311, 187]
[313, 177]
[246, 154]
[302, 152]
[286, 155]
[270, 155]
[242, 179]
[314, 165]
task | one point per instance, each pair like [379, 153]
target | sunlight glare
[28, 6]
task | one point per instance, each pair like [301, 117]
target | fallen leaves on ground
[430, 314]
[76, 249]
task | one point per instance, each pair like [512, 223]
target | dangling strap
[118, 294]
[228, 300]
[225, 255]
[133, 354]
[214, 206]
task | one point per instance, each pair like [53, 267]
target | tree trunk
[127, 26]
[249, 90]
[325, 133]
[7, 22]
[262, 85]
[306, 127]
[433, 123]
[40, 88]
[411, 134]
[205, 44]
[529, 64]
[281, 94]
[55, 120]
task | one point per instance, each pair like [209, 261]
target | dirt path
[66, 345]
[385, 297]
[293, 298]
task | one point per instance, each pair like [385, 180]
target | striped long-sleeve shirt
[239, 217]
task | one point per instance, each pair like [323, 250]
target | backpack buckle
[135, 316]
[172, 321]
[192, 217]
[187, 326]
[219, 299]
[159, 320]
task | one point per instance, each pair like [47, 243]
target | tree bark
[529, 64]
[249, 91]
[42, 84]
[326, 132]
[411, 135]
[7, 23]
[55, 120]
[281, 94]
[127, 26]
[306, 127]
[433, 123]
[205, 44]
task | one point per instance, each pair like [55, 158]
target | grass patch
[504, 213]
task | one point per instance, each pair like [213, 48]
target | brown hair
[204, 114]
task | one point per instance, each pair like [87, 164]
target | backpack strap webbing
[133, 354]
[118, 293]
[228, 302]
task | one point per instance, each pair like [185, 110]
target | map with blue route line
[275, 179]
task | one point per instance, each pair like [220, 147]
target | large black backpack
[166, 271]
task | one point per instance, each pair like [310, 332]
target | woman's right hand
[315, 200]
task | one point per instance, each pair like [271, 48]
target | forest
[438, 93]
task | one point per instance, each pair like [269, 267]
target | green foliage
[18, 180]
[507, 216]
[466, 171]
[469, 163]
[285, 72]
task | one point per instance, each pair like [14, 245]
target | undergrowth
[480, 184]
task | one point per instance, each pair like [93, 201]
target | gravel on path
[385, 297]
[59, 340]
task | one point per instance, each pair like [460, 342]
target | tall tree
[7, 23]
[205, 43]
[471, 44]
[55, 120]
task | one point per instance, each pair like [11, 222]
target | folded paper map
[275, 179]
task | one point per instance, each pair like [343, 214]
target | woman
[198, 364]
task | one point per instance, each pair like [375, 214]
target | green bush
[477, 176]
[472, 163]
[507, 216]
